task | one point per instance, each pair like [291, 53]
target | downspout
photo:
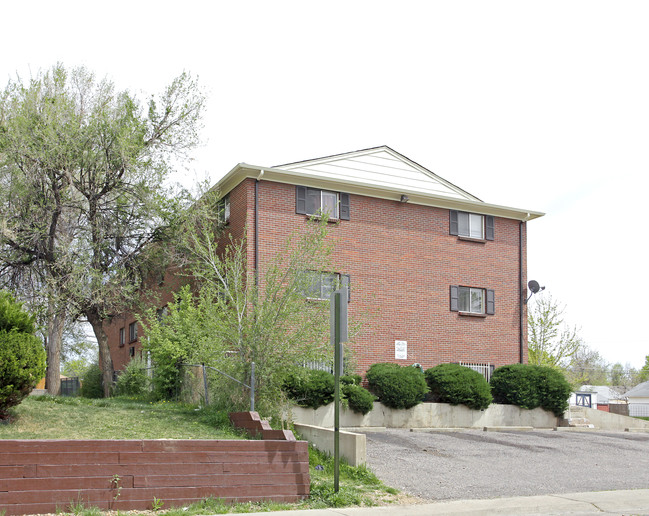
[521, 291]
[257, 228]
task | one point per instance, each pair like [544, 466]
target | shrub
[310, 388]
[133, 381]
[351, 379]
[531, 386]
[396, 386]
[92, 384]
[359, 399]
[458, 385]
[22, 357]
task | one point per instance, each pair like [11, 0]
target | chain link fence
[199, 384]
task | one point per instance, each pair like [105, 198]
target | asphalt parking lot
[463, 464]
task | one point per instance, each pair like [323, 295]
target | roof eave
[244, 170]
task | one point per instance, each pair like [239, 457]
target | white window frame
[470, 308]
[322, 211]
[132, 332]
[223, 210]
[473, 225]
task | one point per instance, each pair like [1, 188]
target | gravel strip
[474, 464]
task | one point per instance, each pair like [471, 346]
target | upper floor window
[223, 210]
[161, 313]
[471, 225]
[132, 332]
[473, 300]
[313, 201]
[320, 285]
[122, 337]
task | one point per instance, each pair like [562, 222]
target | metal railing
[485, 369]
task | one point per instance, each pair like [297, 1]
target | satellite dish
[534, 286]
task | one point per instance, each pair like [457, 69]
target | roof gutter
[243, 171]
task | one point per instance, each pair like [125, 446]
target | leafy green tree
[22, 358]
[551, 342]
[82, 171]
[237, 317]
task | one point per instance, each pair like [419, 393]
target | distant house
[441, 275]
[638, 398]
[599, 397]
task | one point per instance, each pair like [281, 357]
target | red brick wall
[39, 477]
[121, 354]
[402, 262]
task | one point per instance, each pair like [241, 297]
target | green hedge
[458, 385]
[309, 387]
[22, 357]
[531, 386]
[359, 399]
[396, 386]
[312, 388]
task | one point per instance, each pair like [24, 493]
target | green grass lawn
[44, 417]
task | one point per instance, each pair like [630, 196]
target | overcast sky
[535, 105]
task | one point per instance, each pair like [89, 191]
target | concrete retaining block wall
[46, 476]
[353, 446]
[427, 415]
[610, 421]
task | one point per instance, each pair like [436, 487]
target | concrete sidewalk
[630, 502]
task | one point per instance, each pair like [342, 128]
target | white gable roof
[380, 166]
[639, 391]
[377, 172]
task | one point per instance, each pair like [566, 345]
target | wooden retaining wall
[46, 476]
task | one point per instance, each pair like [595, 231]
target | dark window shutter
[454, 298]
[300, 199]
[313, 201]
[344, 206]
[454, 226]
[489, 227]
[491, 302]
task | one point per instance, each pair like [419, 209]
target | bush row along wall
[47, 476]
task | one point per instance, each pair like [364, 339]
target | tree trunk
[55, 322]
[105, 361]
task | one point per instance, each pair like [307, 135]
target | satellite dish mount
[534, 287]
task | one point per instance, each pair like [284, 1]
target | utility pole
[339, 334]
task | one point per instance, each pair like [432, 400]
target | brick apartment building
[435, 274]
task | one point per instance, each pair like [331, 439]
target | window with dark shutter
[470, 300]
[313, 201]
[471, 225]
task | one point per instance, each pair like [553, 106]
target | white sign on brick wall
[401, 350]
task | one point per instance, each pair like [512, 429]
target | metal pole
[252, 387]
[336, 300]
[207, 396]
